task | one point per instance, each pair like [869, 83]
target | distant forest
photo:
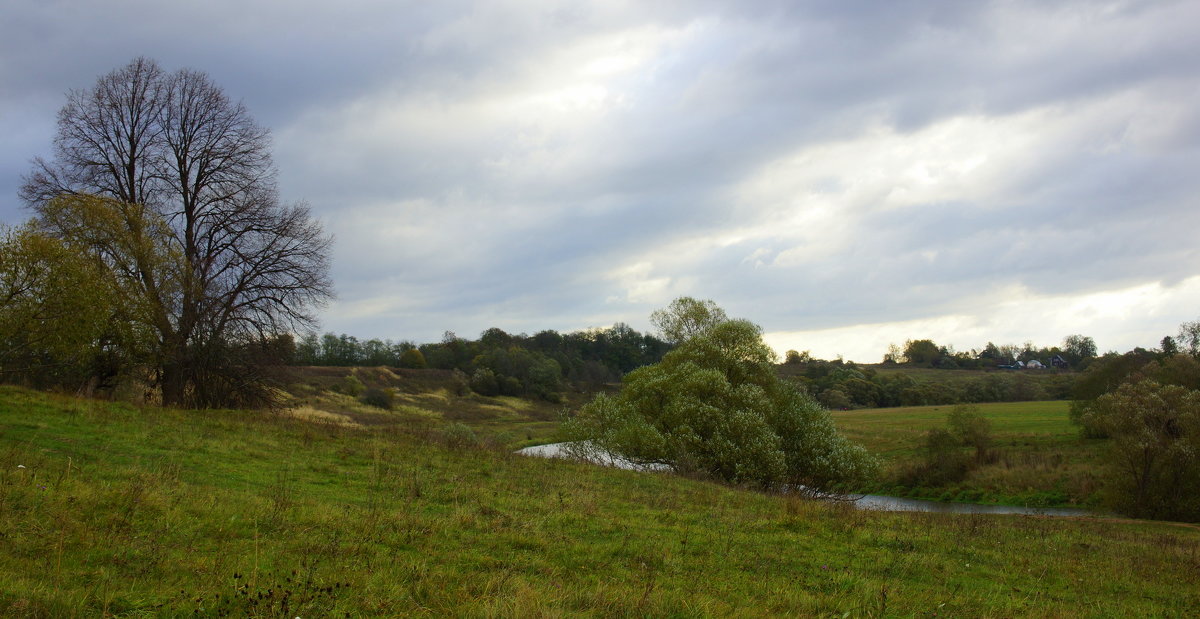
[545, 364]
[499, 363]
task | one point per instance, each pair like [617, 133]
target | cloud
[1123, 318]
[814, 167]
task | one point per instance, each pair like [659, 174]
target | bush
[943, 460]
[714, 406]
[459, 384]
[483, 382]
[379, 398]
[459, 436]
[971, 429]
[943, 463]
[351, 387]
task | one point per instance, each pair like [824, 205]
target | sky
[844, 174]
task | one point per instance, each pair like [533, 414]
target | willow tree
[183, 180]
[714, 406]
[55, 311]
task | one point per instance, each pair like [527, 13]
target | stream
[866, 501]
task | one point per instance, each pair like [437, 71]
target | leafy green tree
[413, 359]
[714, 406]
[793, 357]
[518, 371]
[375, 352]
[1189, 337]
[495, 338]
[1112, 371]
[862, 392]
[921, 352]
[835, 399]
[1078, 348]
[308, 350]
[1155, 431]
[483, 382]
[56, 309]
[972, 429]
[686, 317]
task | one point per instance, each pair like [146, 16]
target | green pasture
[892, 432]
[1040, 458]
[113, 510]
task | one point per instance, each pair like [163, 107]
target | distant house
[1059, 362]
[1034, 364]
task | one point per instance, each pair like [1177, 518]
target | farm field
[1040, 458]
[113, 510]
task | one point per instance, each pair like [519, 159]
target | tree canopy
[54, 310]
[170, 185]
[715, 406]
[686, 317]
[1155, 442]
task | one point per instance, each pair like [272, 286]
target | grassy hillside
[1040, 458]
[107, 509]
[421, 398]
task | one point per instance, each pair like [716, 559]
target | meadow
[1040, 458]
[108, 509]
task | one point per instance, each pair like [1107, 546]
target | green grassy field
[1041, 460]
[112, 510]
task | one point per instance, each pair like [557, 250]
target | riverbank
[873, 502]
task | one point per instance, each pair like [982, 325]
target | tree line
[1075, 352]
[840, 384]
[499, 363]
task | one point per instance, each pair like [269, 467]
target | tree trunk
[174, 380]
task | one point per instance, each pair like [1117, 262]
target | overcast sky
[845, 174]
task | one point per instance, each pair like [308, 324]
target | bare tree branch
[195, 227]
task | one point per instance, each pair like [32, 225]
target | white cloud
[534, 166]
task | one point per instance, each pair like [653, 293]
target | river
[867, 501]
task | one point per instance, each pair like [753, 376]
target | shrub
[459, 384]
[458, 436]
[971, 429]
[943, 461]
[483, 382]
[379, 398]
[351, 387]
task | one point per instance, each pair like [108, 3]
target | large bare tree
[172, 184]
